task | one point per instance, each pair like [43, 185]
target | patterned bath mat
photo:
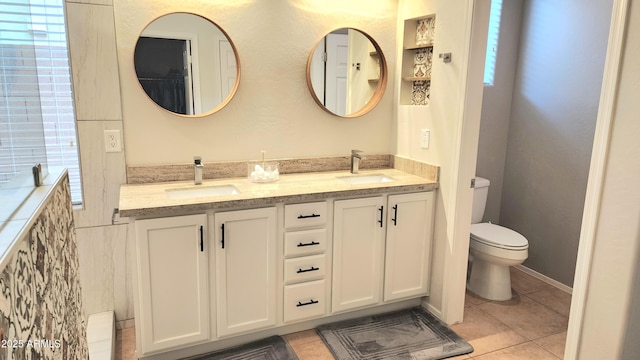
[271, 348]
[407, 334]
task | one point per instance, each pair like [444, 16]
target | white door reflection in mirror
[346, 73]
[336, 73]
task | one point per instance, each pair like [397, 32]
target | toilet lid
[496, 235]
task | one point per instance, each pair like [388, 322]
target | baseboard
[124, 324]
[432, 309]
[556, 284]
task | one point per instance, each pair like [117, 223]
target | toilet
[493, 249]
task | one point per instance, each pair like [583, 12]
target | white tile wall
[105, 260]
[94, 63]
[102, 174]
[105, 273]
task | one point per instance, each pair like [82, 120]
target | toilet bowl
[493, 249]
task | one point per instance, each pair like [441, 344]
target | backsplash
[238, 169]
[41, 315]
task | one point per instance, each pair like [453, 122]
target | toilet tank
[480, 193]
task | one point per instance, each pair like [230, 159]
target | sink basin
[202, 191]
[366, 179]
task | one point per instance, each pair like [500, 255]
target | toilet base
[490, 281]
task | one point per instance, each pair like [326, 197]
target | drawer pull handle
[201, 238]
[395, 215]
[222, 241]
[308, 216]
[308, 244]
[307, 270]
[311, 302]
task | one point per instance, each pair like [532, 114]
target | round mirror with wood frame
[347, 73]
[187, 64]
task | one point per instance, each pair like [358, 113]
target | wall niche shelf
[418, 47]
[417, 60]
[416, 78]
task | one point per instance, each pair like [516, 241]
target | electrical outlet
[112, 142]
[424, 138]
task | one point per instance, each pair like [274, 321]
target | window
[37, 122]
[492, 41]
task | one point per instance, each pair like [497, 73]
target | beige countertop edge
[150, 200]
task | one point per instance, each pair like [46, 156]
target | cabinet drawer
[303, 301]
[305, 242]
[310, 214]
[304, 268]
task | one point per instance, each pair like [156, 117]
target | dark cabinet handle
[395, 215]
[222, 227]
[311, 302]
[201, 238]
[307, 270]
[308, 216]
[381, 211]
[308, 244]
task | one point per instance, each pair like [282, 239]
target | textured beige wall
[273, 109]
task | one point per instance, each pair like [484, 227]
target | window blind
[492, 41]
[37, 124]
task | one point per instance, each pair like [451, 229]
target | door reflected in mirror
[186, 64]
[347, 73]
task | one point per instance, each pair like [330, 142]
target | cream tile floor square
[532, 325]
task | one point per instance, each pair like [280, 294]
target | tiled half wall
[41, 315]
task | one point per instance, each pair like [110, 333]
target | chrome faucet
[197, 169]
[355, 161]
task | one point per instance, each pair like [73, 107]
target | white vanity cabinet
[358, 253]
[173, 282]
[381, 249]
[245, 270]
[253, 265]
[408, 245]
[306, 264]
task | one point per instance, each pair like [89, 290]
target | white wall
[453, 117]
[613, 287]
[272, 109]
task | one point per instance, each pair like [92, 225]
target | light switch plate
[112, 141]
[425, 134]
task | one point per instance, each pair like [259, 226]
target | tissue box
[261, 173]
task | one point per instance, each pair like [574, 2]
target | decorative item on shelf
[420, 92]
[262, 172]
[425, 30]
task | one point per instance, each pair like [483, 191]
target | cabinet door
[172, 282]
[358, 246]
[245, 270]
[408, 245]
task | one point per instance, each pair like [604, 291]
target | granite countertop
[149, 200]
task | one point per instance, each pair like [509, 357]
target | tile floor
[532, 325]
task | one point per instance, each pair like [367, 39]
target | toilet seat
[497, 236]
